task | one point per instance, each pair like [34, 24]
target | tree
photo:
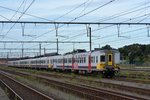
[136, 53]
[108, 47]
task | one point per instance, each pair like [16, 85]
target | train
[96, 61]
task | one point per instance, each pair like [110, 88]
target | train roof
[104, 50]
[78, 51]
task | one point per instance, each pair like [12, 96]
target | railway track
[117, 86]
[10, 93]
[131, 78]
[106, 84]
[22, 91]
[82, 90]
[137, 69]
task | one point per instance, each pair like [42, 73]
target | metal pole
[73, 46]
[7, 55]
[22, 51]
[57, 46]
[40, 48]
[90, 41]
[44, 51]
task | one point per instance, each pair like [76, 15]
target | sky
[115, 11]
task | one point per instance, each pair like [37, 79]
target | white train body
[100, 60]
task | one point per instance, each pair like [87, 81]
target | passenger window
[91, 59]
[84, 60]
[96, 59]
[102, 58]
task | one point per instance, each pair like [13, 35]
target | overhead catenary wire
[122, 13]
[108, 36]
[88, 12]
[18, 19]
[147, 16]
[17, 9]
[118, 14]
[2, 27]
[33, 15]
[73, 34]
[113, 34]
[109, 26]
[137, 38]
[78, 17]
[131, 12]
[39, 17]
[86, 6]
[83, 4]
[72, 10]
[4, 17]
[117, 34]
[93, 10]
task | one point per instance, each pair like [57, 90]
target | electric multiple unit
[105, 61]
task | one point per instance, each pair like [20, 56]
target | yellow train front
[109, 62]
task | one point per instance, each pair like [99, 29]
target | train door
[110, 59]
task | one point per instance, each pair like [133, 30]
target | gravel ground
[3, 95]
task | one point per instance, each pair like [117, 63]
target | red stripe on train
[89, 63]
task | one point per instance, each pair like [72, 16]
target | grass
[140, 75]
[133, 66]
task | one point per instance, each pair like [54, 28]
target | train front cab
[110, 64]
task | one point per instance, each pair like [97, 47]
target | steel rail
[11, 93]
[32, 93]
[86, 91]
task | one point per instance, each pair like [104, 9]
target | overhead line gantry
[36, 22]
[56, 24]
[44, 42]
